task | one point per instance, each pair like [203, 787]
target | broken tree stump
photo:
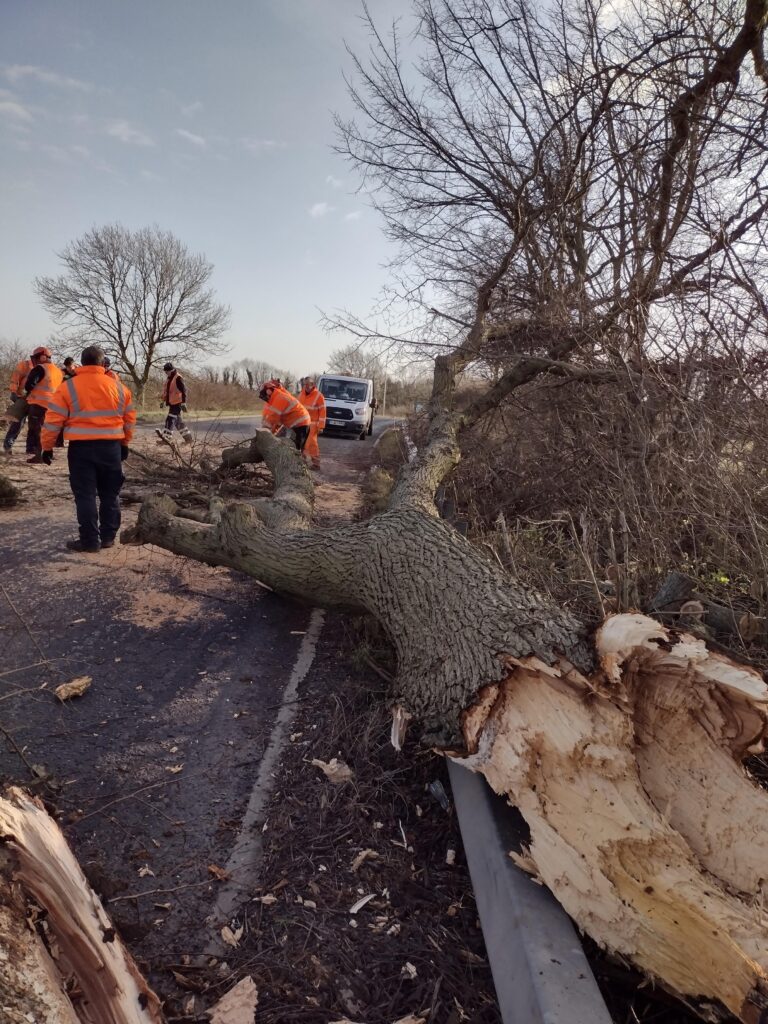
[61, 960]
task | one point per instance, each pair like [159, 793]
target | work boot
[108, 543]
[77, 545]
[35, 459]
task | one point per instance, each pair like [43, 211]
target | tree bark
[622, 749]
[72, 968]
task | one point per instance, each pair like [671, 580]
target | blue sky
[210, 118]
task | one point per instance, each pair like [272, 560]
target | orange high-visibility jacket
[90, 407]
[19, 376]
[314, 403]
[171, 392]
[42, 392]
[283, 410]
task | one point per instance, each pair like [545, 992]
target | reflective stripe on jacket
[314, 403]
[90, 407]
[283, 410]
[19, 376]
[42, 392]
[172, 393]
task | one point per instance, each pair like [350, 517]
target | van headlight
[360, 410]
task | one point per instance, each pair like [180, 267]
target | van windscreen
[340, 390]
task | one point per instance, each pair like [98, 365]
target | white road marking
[243, 862]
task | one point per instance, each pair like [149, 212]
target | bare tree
[564, 183]
[141, 294]
[356, 361]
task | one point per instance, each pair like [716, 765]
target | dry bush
[603, 491]
[204, 394]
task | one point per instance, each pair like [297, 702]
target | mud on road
[153, 772]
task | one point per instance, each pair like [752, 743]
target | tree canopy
[141, 294]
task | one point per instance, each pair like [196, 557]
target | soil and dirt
[151, 770]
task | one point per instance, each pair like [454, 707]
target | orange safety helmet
[269, 386]
[41, 350]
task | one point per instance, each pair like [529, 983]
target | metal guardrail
[539, 968]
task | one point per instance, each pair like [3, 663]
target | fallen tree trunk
[622, 748]
[61, 961]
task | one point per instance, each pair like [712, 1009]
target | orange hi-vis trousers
[311, 448]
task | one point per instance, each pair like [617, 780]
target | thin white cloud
[192, 108]
[126, 133]
[12, 108]
[261, 145]
[333, 182]
[320, 210]
[195, 140]
[354, 215]
[18, 72]
[150, 176]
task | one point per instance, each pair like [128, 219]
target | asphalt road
[240, 427]
[157, 771]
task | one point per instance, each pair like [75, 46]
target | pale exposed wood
[696, 716]
[561, 747]
[84, 954]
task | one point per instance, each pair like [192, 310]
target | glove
[183, 406]
[125, 451]
[47, 458]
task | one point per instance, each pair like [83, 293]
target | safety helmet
[41, 350]
[268, 387]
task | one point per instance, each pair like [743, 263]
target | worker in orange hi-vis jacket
[96, 414]
[18, 380]
[42, 381]
[284, 412]
[311, 397]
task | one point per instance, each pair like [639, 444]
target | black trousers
[35, 417]
[300, 435]
[95, 470]
[173, 419]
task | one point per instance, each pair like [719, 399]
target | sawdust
[155, 609]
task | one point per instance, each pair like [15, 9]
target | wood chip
[361, 903]
[334, 770]
[232, 938]
[238, 1006]
[74, 688]
[362, 857]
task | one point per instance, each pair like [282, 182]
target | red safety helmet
[266, 389]
[41, 350]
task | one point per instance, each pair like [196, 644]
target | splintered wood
[643, 821]
[74, 969]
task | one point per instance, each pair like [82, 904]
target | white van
[349, 404]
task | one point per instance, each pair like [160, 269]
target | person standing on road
[284, 412]
[18, 380]
[311, 397]
[108, 369]
[175, 397]
[41, 383]
[97, 417]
